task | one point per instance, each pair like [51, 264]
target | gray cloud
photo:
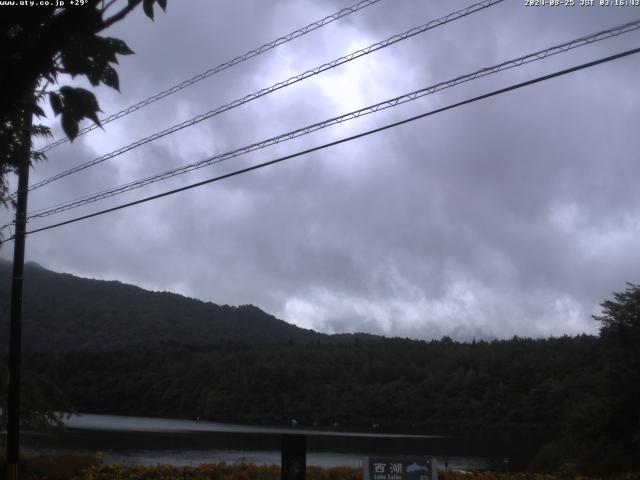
[515, 215]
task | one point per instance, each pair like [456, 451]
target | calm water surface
[151, 441]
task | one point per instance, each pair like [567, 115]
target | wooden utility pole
[15, 335]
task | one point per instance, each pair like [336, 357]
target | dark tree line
[603, 431]
[584, 389]
[398, 384]
[392, 382]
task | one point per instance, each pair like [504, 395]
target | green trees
[391, 382]
[602, 428]
[36, 46]
[43, 401]
[572, 391]
[620, 407]
[621, 316]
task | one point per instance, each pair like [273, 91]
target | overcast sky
[516, 215]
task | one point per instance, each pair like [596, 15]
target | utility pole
[15, 335]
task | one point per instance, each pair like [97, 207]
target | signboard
[404, 468]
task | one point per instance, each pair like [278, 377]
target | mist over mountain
[65, 312]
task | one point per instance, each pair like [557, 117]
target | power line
[347, 139]
[539, 55]
[277, 86]
[223, 66]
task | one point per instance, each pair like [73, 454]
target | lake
[151, 441]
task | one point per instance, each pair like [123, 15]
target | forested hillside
[582, 390]
[123, 350]
[65, 312]
[397, 383]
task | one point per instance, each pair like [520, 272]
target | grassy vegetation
[83, 467]
[54, 467]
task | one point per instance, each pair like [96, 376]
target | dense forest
[397, 383]
[573, 386]
[178, 357]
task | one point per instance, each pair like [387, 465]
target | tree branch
[107, 6]
[120, 15]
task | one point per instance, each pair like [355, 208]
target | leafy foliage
[219, 471]
[60, 467]
[489, 475]
[43, 402]
[602, 432]
[39, 44]
[617, 429]
[621, 316]
[83, 469]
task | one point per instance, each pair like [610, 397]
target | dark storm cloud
[515, 215]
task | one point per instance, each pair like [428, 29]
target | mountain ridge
[66, 312]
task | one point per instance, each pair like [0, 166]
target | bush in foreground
[82, 467]
[219, 471]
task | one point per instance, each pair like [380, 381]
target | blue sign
[400, 469]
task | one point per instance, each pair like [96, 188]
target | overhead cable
[223, 66]
[277, 86]
[522, 60]
[343, 140]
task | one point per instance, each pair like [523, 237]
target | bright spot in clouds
[512, 216]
